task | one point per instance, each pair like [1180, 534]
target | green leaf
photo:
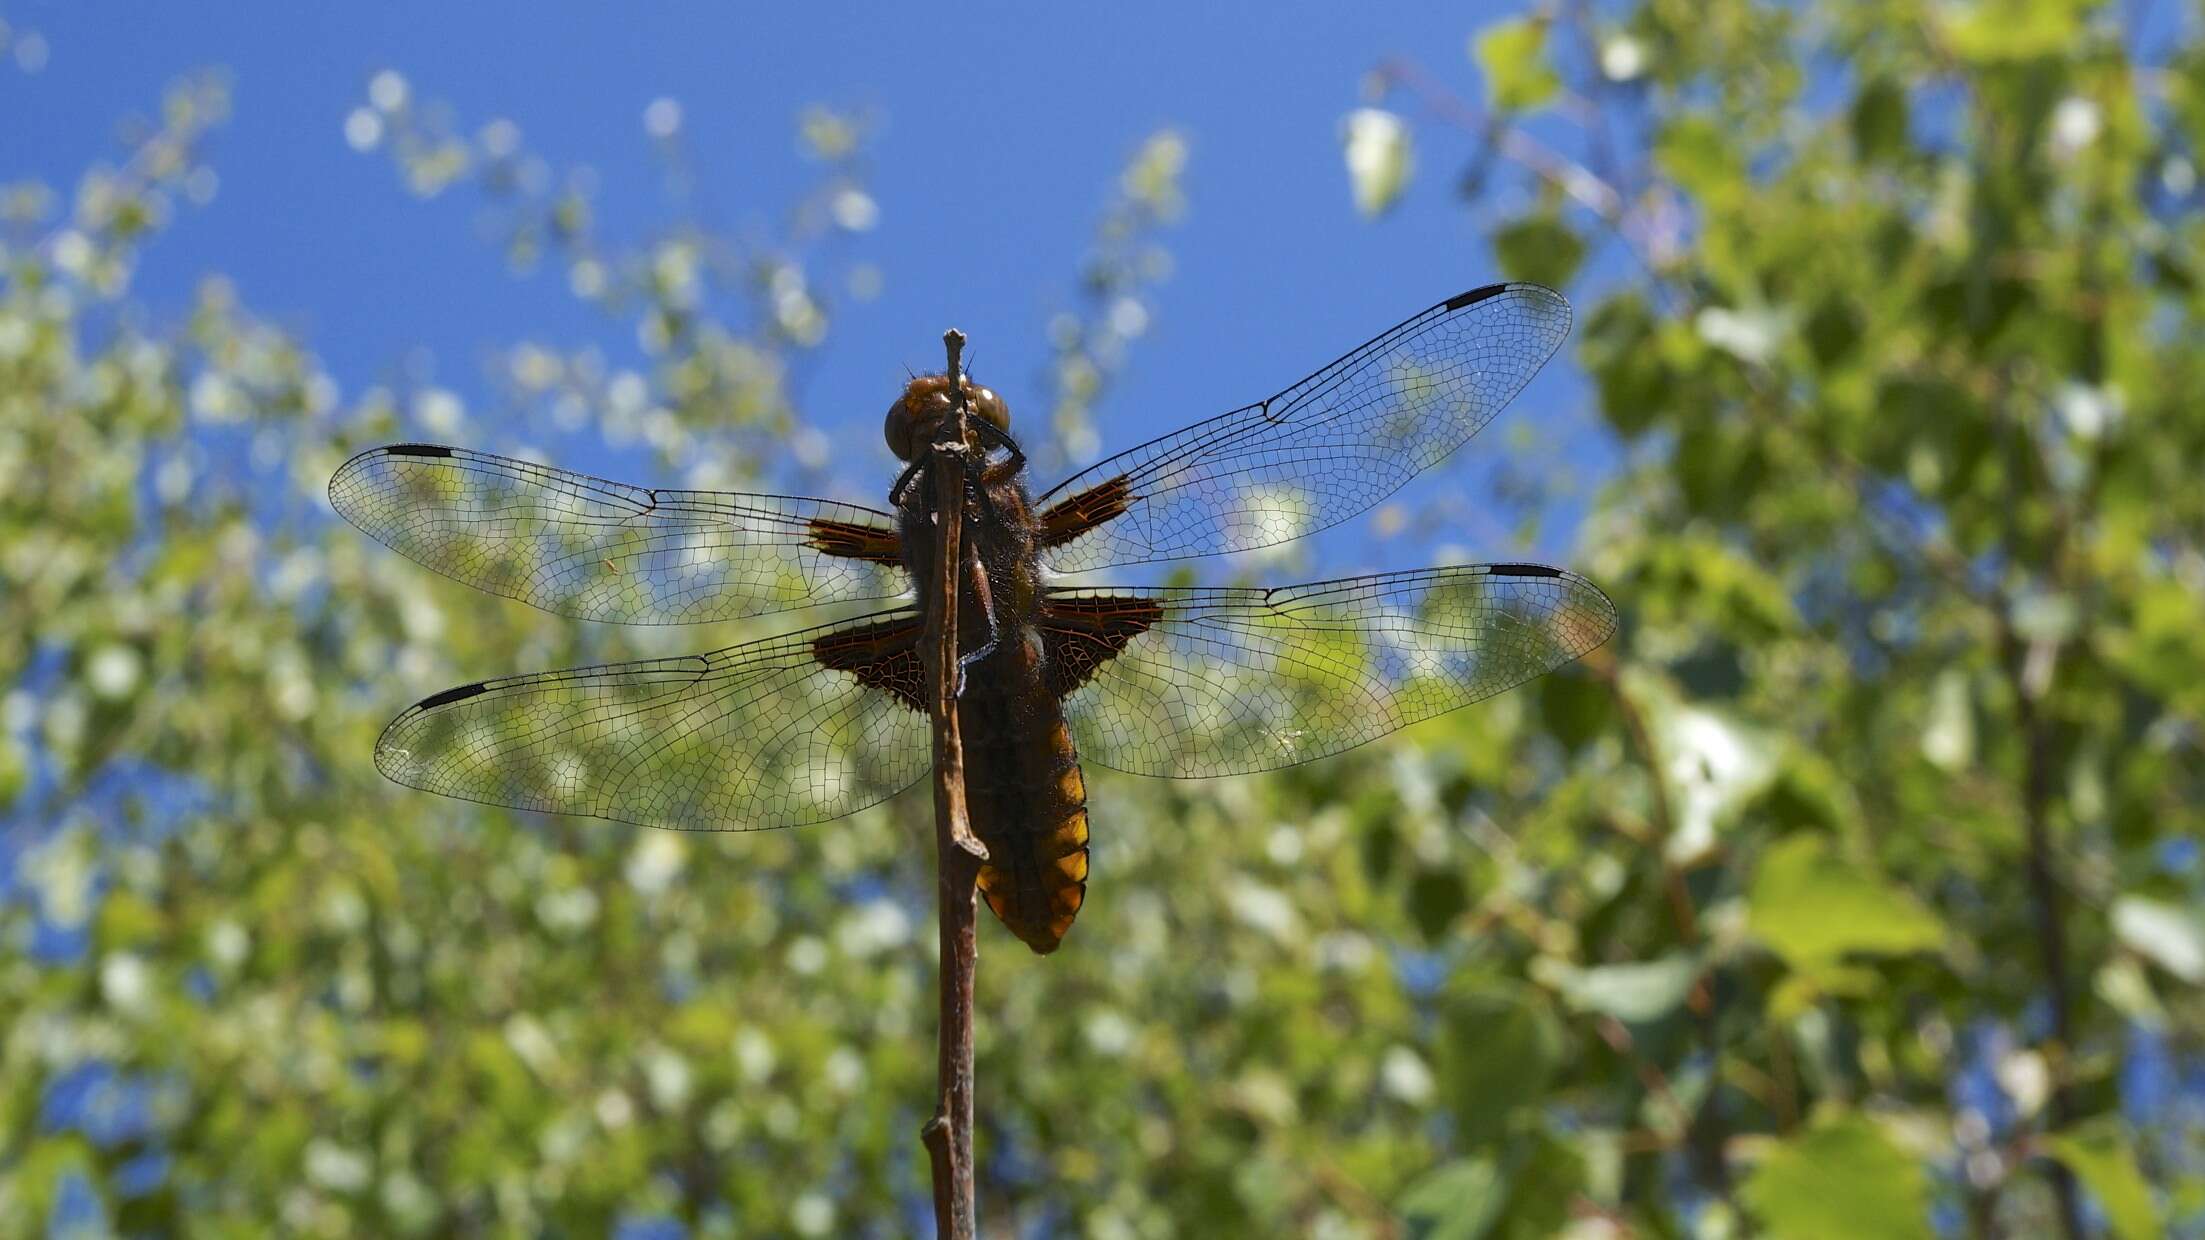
[1379, 847]
[1528, 1197]
[2100, 1154]
[1699, 155]
[2122, 984]
[1990, 31]
[1842, 1178]
[1576, 709]
[1948, 738]
[1799, 992]
[1375, 144]
[1752, 334]
[1454, 1201]
[1513, 57]
[1713, 763]
[13, 769]
[1634, 992]
[1503, 1045]
[1833, 330]
[1879, 121]
[2165, 934]
[1620, 350]
[1436, 898]
[1539, 248]
[1543, 1181]
[39, 1171]
[1813, 908]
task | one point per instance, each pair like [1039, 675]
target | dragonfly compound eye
[988, 405]
[898, 428]
[912, 420]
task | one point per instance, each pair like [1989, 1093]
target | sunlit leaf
[1840, 1178]
[1750, 334]
[1814, 907]
[1455, 1201]
[2101, 1154]
[2168, 935]
[1512, 55]
[1376, 146]
[1712, 764]
[1948, 737]
[2121, 982]
[1632, 992]
[2005, 30]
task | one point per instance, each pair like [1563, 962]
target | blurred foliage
[1895, 308]
[1089, 344]
[1736, 928]
[728, 314]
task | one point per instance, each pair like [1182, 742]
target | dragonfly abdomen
[1027, 796]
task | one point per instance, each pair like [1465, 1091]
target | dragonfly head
[925, 402]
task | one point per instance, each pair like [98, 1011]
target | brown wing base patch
[882, 656]
[857, 542]
[1074, 515]
[1080, 634]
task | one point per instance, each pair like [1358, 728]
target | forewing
[1197, 682]
[597, 550]
[774, 733]
[1318, 453]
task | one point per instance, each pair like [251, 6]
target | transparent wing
[774, 733]
[1197, 682]
[1318, 453]
[597, 550]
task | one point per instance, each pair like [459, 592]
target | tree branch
[958, 853]
[2044, 900]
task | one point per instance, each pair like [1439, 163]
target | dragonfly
[1178, 681]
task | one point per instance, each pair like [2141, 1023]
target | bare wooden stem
[958, 853]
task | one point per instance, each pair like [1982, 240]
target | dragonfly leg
[904, 480]
[986, 599]
[1001, 438]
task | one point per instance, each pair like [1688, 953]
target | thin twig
[2029, 664]
[1559, 170]
[958, 853]
[2045, 906]
[1650, 1076]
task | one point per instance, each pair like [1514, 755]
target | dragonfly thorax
[925, 402]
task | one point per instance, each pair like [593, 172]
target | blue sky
[1275, 272]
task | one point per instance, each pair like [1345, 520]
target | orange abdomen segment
[1029, 806]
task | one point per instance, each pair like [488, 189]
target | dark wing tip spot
[416, 449]
[1476, 295]
[1524, 570]
[449, 696]
[1490, 291]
